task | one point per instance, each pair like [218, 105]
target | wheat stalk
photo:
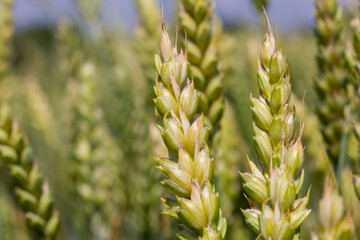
[31, 190]
[272, 187]
[330, 83]
[189, 169]
[147, 34]
[195, 21]
[333, 223]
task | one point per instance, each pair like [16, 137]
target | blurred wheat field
[82, 94]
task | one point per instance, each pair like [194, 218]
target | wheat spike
[31, 190]
[197, 26]
[273, 185]
[330, 83]
[189, 168]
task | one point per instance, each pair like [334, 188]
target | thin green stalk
[272, 186]
[147, 35]
[189, 168]
[196, 23]
[31, 190]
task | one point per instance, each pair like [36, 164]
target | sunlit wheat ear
[331, 80]
[189, 169]
[31, 191]
[272, 187]
[196, 23]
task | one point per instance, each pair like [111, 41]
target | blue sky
[284, 14]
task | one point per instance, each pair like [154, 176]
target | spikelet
[272, 186]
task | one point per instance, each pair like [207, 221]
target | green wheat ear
[331, 81]
[94, 155]
[189, 169]
[196, 22]
[31, 190]
[273, 185]
[334, 223]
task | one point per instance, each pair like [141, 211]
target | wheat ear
[273, 185]
[333, 222]
[330, 83]
[196, 22]
[31, 190]
[189, 168]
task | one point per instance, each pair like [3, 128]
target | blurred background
[285, 15]
[78, 76]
